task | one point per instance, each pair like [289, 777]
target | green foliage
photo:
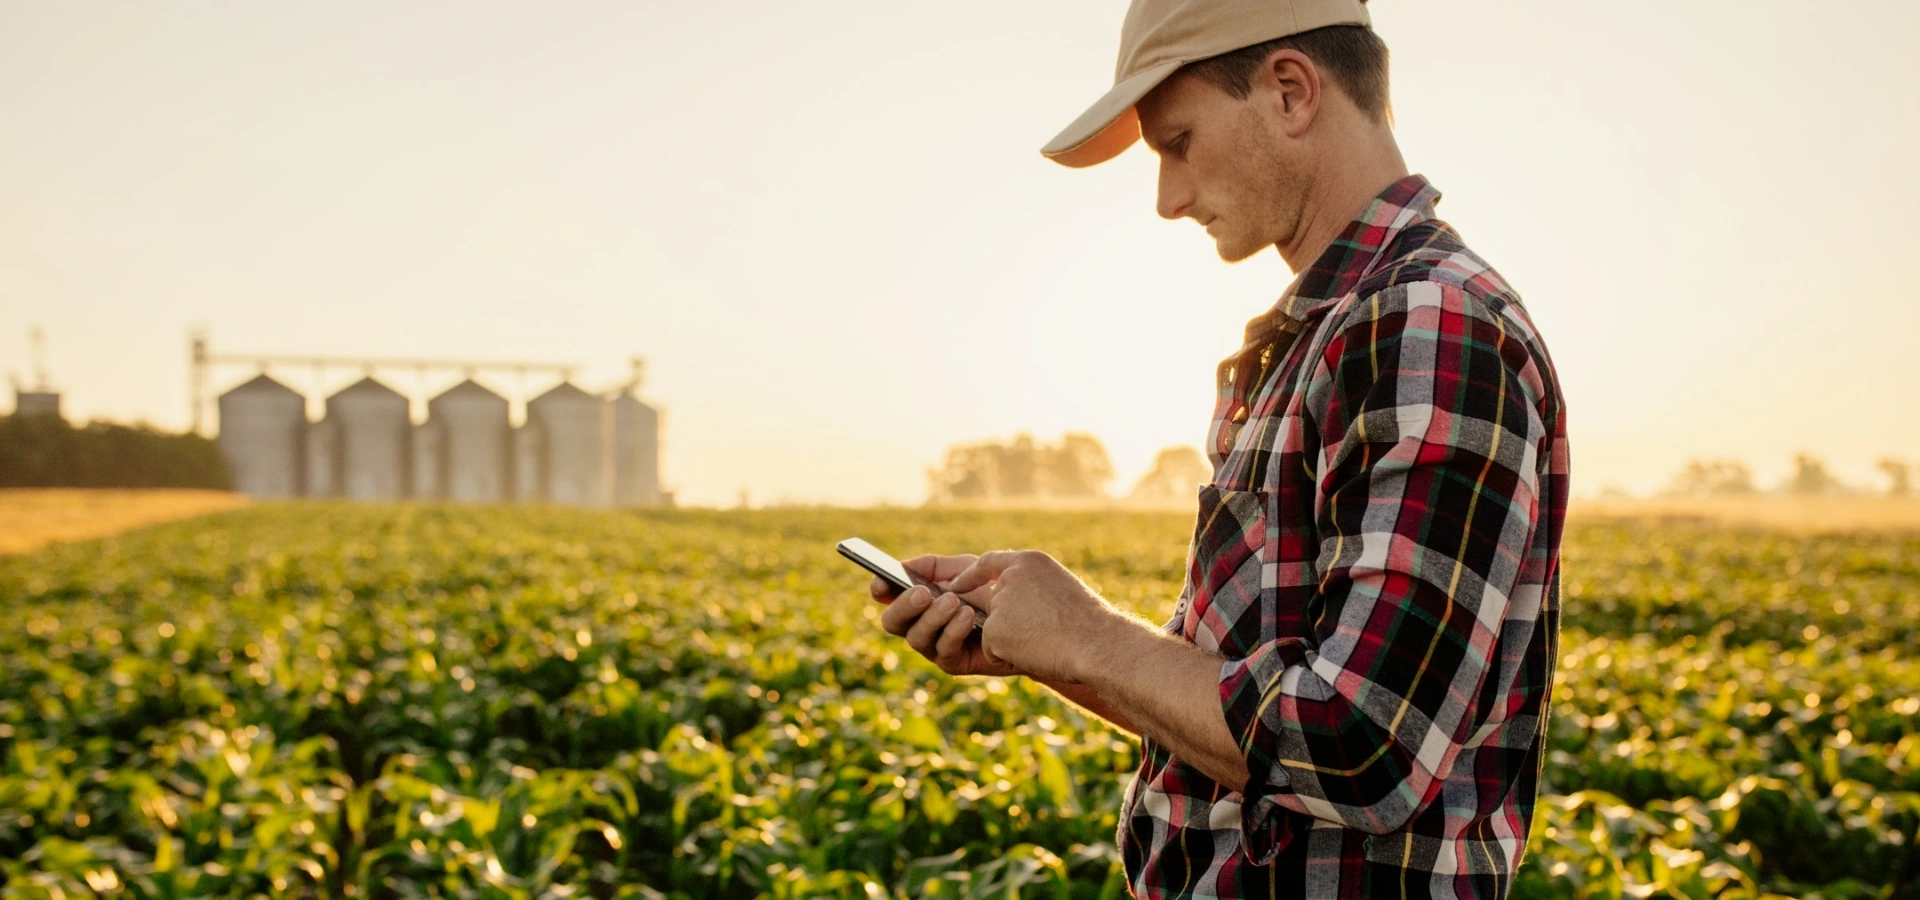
[46, 451]
[413, 701]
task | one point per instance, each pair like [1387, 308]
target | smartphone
[880, 563]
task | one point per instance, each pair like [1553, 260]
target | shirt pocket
[1229, 572]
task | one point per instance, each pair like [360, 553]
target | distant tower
[571, 441]
[263, 426]
[41, 399]
[476, 466]
[374, 431]
[197, 380]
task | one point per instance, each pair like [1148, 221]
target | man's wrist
[1102, 644]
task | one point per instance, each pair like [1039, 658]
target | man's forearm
[1164, 688]
[1090, 700]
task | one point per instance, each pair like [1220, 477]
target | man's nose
[1175, 197]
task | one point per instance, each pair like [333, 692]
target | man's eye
[1178, 146]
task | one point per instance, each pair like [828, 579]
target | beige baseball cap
[1160, 36]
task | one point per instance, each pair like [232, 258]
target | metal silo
[528, 463]
[323, 459]
[636, 452]
[478, 440]
[263, 427]
[429, 461]
[374, 448]
[574, 436]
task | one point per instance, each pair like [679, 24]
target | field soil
[33, 517]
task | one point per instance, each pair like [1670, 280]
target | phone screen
[877, 561]
[881, 563]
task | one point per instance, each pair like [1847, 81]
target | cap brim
[1110, 125]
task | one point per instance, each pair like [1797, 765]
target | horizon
[851, 200]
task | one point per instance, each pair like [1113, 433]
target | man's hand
[1047, 623]
[939, 628]
[1043, 620]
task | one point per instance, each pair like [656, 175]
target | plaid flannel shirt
[1376, 560]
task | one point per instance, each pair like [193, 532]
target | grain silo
[529, 466]
[375, 455]
[573, 426]
[429, 461]
[323, 459]
[478, 439]
[263, 427]
[636, 452]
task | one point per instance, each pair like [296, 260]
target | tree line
[1076, 468]
[1810, 478]
[41, 451]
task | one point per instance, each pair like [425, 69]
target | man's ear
[1290, 84]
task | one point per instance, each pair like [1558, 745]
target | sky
[827, 227]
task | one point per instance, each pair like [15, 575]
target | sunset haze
[829, 231]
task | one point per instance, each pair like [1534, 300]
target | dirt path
[32, 518]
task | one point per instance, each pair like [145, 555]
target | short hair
[1353, 57]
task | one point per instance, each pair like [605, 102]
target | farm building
[35, 403]
[576, 448]
[373, 452]
[263, 434]
[474, 454]
[41, 399]
[636, 452]
[572, 444]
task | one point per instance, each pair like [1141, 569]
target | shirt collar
[1340, 267]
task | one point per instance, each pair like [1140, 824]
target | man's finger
[881, 590]
[953, 639]
[985, 569]
[901, 614]
[938, 568]
[926, 630]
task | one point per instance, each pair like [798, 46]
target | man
[1350, 698]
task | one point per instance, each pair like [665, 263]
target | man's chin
[1233, 251]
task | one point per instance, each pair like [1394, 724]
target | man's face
[1223, 164]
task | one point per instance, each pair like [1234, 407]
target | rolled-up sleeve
[1426, 501]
